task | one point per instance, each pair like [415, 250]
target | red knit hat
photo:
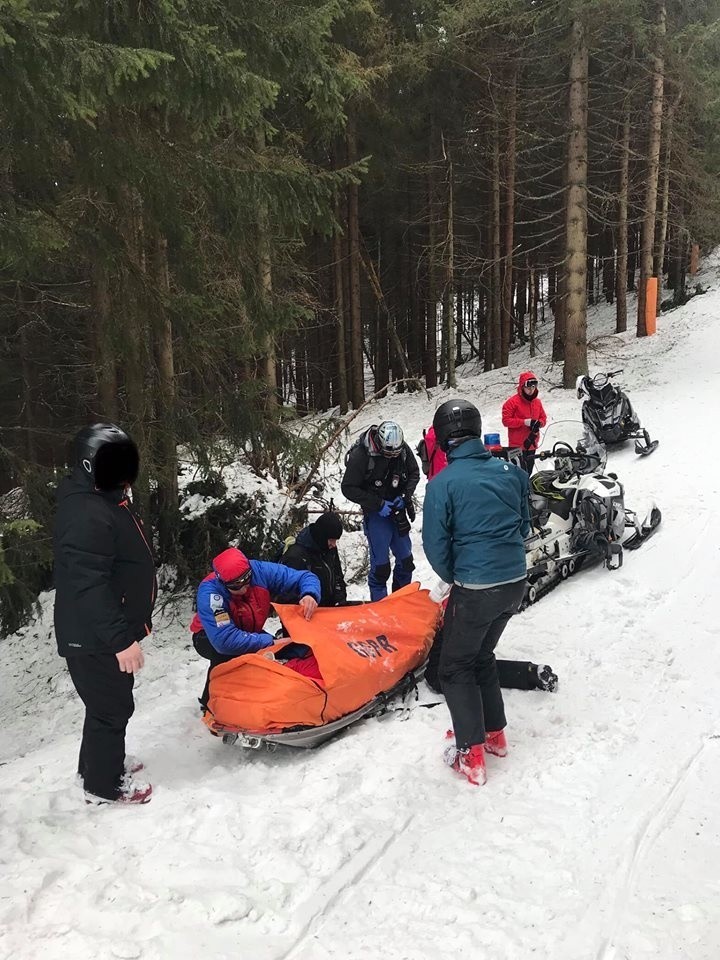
[230, 564]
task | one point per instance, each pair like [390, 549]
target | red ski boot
[470, 762]
[496, 743]
[131, 791]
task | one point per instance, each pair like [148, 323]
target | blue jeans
[382, 536]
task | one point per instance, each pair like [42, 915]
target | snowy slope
[597, 838]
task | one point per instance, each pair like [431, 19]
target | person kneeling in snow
[233, 603]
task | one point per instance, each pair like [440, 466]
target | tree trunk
[104, 353]
[264, 266]
[507, 317]
[496, 321]
[534, 291]
[622, 229]
[659, 258]
[342, 397]
[460, 325]
[382, 353]
[166, 442]
[357, 369]
[431, 312]
[449, 290]
[523, 290]
[608, 265]
[576, 213]
[653, 168]
[137, 367]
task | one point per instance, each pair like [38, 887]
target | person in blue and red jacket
[524, 416]
[233, 603]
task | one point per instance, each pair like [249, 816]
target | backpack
[282, 548]
[422, 451]
[369, 465]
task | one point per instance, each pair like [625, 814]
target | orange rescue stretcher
[366, 656]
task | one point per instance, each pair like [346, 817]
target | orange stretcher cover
[361, 651]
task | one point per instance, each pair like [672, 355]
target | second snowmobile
[578, 517]
[608, 414]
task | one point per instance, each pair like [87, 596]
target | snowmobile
[578, 517]
[608, 414]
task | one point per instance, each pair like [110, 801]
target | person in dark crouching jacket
[105, 594]
[315, 549]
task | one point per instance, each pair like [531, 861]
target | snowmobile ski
[646, 531]
[645, 446]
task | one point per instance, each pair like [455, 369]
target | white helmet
[390, 438]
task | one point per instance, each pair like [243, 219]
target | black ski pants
[474, 623]
[512, 674]
[207, 651]
[107, 694]
[527, 461]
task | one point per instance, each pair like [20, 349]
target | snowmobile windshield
[606, 394]
[570, 446]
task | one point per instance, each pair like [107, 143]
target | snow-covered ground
[597, 838]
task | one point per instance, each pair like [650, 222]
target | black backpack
[422, 451]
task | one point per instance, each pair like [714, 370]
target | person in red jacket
[524, 416]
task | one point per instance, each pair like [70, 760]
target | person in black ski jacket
[381, 473]
[315, 549]
[105, 593]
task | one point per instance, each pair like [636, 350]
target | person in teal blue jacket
[475, 520]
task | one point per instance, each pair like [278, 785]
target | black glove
[534, 426]
[401, 522]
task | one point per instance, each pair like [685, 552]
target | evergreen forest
[218, 216]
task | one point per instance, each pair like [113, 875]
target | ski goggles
[530, 383]
[239, 582]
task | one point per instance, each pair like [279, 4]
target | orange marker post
[651, 292]
[694, 259]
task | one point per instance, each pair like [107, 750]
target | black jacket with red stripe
[104, 570]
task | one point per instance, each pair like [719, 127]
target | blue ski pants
[382, 536]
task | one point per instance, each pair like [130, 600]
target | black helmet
[107, 454]
[456, 418]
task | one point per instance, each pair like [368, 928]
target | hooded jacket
[476, 517]
[104, 570]
[517, 409]
[306, 554]
[371, 477]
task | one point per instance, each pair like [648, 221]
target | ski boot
[470, 762]
[131, 791]
[546, 679]
[496, 743]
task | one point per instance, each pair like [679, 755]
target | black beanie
[328, 526]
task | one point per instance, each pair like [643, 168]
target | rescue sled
[366, 656]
